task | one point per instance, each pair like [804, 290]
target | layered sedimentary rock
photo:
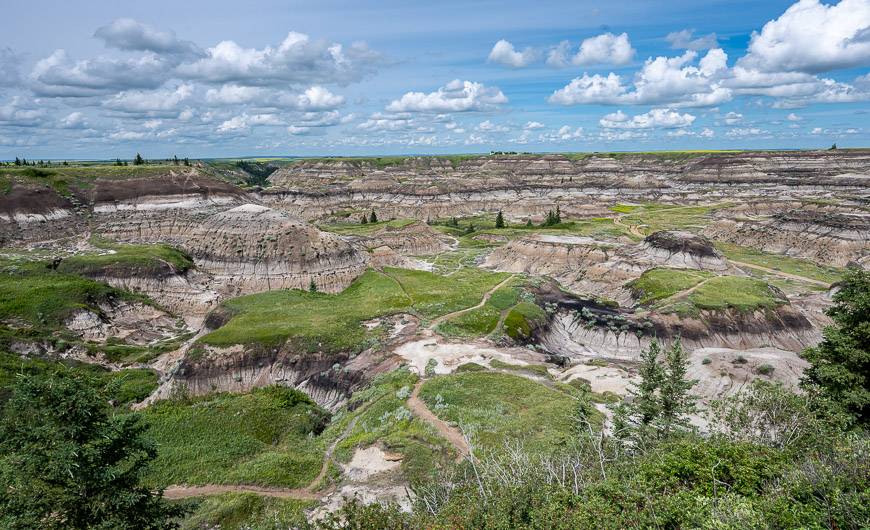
[415, 239]
[256, 248]
[828, 238]
[529, 185]
[602, 268]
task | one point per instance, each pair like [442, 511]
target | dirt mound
[682, 242]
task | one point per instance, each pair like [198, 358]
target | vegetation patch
[267, 437]
[128, 261]
[660, 283]
[243, 511]
[521, 322]
[539, 370]
[796, 266]
[495, 407]
[359, 229]
[735, 292]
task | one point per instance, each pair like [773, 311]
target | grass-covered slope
[497, 407]
[267, 437]
[128, 261]
[332, 322]
[660, 283]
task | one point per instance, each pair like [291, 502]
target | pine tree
[175, 160]
[363, 219]
[17, 161]
[373, 218]
[312, 287]
[557, 217]
[675, 402]
[839, 368]
[529, 222]
[138, 161]
[499, 220]
[186, 162]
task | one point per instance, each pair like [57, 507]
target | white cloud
[73, 120]
[686, 40]
[733, 118]
[706, 133]
[606, 48]
[656, 118]
[793, 117]
[568, 133]
[244, 122]
[503, 52]
[532, 125]
[744, 131]
[319, 98]
[663, 80]
[233, 94]
[131, 35]
[58, 76]
[813, 37]
[140, 102]
[152, 124]
[295, 130]
[455, 96]
[488, 126]
[297, 59]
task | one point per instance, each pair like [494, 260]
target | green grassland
[32, 293]
[735, 292]
[660, 283]
[355, 228]
[496, 407]
[267, 437]
[124, 386]
[522, 320]
[80, 175]
[654, 217]
[332, 322]
[382, 416]
[484, 320]
[797, 266]
[244, 511]
[127, 260]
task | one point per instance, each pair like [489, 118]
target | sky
[104, 79]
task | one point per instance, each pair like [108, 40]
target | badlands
[425, 306]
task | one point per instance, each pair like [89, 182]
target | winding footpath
[449, 432]
[482, 302]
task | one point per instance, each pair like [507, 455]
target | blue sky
[104, 79]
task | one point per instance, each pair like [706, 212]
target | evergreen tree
[312, 287]
[373, 218]
[363, 219]
[675, 402]
[840, 365]
[499, 220]
[138, 161]
[557, 217]
[68, 461]
[175, 160]
[17, 161]
[529, 222]
[186, 162]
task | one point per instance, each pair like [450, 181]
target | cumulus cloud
[297, 59]
[656, 118]
[131, 35]
[793, 117]
[73, 120]
[532, 125]
[232, 94]
[813, 37]
[662, 80]
[606, 48]
[144, 102]
[19, 112]
[503, 52]
[455, 96]
[58, 75]
[733, 118]
[244, 122]
[686, 40]
[488, 126]
[319, 98]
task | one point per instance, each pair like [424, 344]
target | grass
[523, 319]
[655, 217]
[41, 297]
[660, 283]
[388, 421]
[496, 407]
[483, 320]
[245, 511]
[124, 386]
[796, 266]
[355, 228]
[539, 370]
[332, 322]
[734, 292]
[267, 437]
[128, 261]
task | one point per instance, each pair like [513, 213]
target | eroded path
[482, 302]
[780, 273]
[447, 431]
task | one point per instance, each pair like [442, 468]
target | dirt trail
[780, 273]
[450, 433]
[309, 492]
[483, 301]
[631, 228]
